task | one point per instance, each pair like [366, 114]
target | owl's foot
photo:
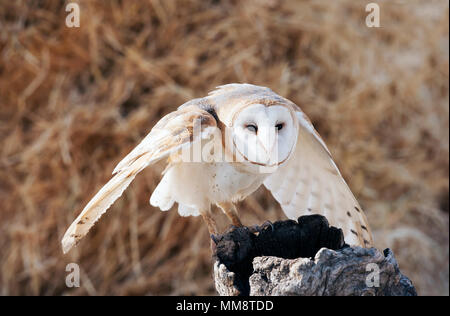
[258, 229]
[267, 224]
[254, 229]
[212, 228]
[232, 227]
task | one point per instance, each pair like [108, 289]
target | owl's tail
[100, 203]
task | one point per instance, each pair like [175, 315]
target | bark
[307, 257]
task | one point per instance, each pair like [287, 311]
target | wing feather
[310, 183]
[169, 135]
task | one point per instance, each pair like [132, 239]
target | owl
[221, 148]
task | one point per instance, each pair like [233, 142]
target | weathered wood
[307, 257]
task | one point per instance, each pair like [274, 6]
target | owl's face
[265, 135]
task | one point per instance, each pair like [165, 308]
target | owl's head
[264, 136]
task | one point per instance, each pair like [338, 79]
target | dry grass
[74, 101]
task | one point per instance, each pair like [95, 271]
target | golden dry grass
[73, 102]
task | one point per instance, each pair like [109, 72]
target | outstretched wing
[174, 131]
[310, 183]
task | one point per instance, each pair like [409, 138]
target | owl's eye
[252, 128]
[279, 126]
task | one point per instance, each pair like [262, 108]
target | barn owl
[220, 149]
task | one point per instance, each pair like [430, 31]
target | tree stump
[307, 257]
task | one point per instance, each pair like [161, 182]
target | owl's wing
[310, 183]
[174, 131]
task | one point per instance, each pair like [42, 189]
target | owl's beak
[268, 139]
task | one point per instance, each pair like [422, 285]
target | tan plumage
[171, 133]
[304, 178]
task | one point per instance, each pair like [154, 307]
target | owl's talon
[266, 224]
[214, 238]
[254, 229]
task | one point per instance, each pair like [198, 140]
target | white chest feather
[195, 186]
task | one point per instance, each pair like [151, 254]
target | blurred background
[74, 101]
